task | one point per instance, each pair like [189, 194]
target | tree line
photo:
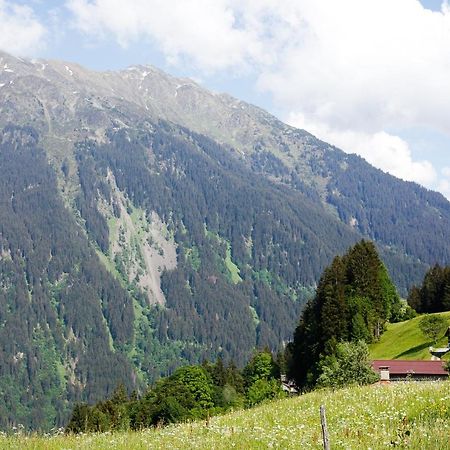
[434, 293]
[190, 393]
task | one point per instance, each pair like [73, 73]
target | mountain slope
[66, 103]
[62, 315]
[404, 340]
[147, 223]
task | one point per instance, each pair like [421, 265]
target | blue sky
[370, 76]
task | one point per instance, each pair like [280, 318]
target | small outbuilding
[403, 370]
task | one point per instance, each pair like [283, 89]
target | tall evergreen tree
[331, 300]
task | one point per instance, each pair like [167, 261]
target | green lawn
[403, 415]
[404, 340]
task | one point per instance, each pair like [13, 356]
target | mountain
[146, 222]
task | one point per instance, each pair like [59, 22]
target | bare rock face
[141, 242]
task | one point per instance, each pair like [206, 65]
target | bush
[349, 364]
[262, 390]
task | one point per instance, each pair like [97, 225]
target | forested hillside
[74, 321]
[146, 223]
[63, 317]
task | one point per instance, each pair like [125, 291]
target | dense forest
[67, 314]
[434, 293]
[74, 320]
[208, 200]
[388, 210]
[354, 299]
[408, 222]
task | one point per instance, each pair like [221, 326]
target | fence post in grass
[323, 421]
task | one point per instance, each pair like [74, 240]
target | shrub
[349, 364]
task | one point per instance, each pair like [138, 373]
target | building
[288, 386]
[402, 370]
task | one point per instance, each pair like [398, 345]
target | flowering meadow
[402, 415]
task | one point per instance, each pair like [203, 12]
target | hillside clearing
[404, 340]
[415, 415]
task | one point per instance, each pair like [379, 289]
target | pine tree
[331, 295]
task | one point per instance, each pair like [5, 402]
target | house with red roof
[402, 370]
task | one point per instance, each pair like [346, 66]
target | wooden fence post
[323, 421]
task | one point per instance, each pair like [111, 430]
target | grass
[404, 415]
[404, 340]
[232, 267]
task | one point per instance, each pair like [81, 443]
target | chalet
[288, 386]
[402, 370]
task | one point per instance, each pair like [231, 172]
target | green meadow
[404, 340]
[402, 415]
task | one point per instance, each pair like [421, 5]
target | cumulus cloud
[21, 32]
[353, 68]
[204, 32]
[366, 64]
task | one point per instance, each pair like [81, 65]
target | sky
[369, 76]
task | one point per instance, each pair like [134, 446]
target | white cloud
[366, 65]
[353, 68]
[21, 32]
[203, 31]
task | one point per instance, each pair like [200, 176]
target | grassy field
[402, 415]
[404, 340]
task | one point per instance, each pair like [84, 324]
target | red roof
[405, 367]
